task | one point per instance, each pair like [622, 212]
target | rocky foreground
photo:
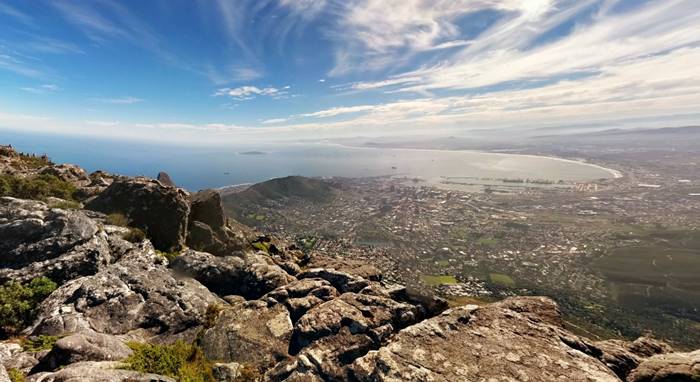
[256, 308]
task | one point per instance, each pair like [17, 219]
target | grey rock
[622, 356]
[160, 211]
[672, 367]
[226, 372]
[80, 347]
[137, 294]
[250, 277]
[69, 173]
[487, 343]
[206, 207]
[165, 179]
[252, 333]
[302, 295]
[36, 240]
[96, 371]
[3, 374]
[342, 281]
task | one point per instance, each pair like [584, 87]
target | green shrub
[180, 360]
[134, 235]
[18, 303]
[34, 161]
[168, 255]
[38, 187]
[16, 375]
[212, 314]
[39, 343]
[117, 219]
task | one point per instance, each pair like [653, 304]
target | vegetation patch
[435, 280]
[117, 219]
[168, 255]
[212, 314]
[38, 187]
[180, 360]
[18, 303]
[502, 280]
[16, 375]
[134, 235]
[39, 343]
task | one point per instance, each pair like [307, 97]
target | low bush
[180, 360]
[38, 187]
[16, 375]
[18, 303]
[39, 343]
[117, 219]
[168, 255]
[134, 235]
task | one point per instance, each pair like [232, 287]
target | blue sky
[231, 70]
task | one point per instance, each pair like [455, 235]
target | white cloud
[46, 88]
[250, 92]
[274, 121]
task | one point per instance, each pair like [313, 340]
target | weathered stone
[165, 179]
[622, 356]
[252, 333]
[673, 367]
[342, 281]
[80, 348]
[346, 265]
[158, 210]
[3, 374]
[302, 295]
[226, 372]
[250, 277]
[96, 371]
[206, 207]
[489, 343]
[138, 293]
[36, 240]
[69, 173]
[325, 320]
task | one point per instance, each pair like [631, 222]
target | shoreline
[616, 174]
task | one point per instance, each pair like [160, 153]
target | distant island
[252, 153]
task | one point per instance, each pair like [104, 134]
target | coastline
[616, 174]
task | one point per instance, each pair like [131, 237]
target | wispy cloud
[250, 92]
[45, 88]
[120, 100]
[16, 14]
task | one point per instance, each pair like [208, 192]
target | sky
[219, 71]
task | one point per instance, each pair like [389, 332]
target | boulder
[165, 179]
[481, 344]
[672, 367]
[69, 173]
[159, 210]
[80, 348]
[137, 295]
[96, 371]
[622, 356]
[36, 240]
[250, 277]
[226, 372]
[342, 281]
[222, 275]
[206, 207]
[302, 295]
[251, 333]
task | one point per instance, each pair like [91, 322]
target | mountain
[131, 279]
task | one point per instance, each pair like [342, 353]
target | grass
[66, 205]
[435, 280]
[16, 375]
[117, 219]
[261, 246]
[18, 303]
[502, 280]
[168, 255]
[39, 343]
[135, 235]
[39, 187]
[180, 360]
